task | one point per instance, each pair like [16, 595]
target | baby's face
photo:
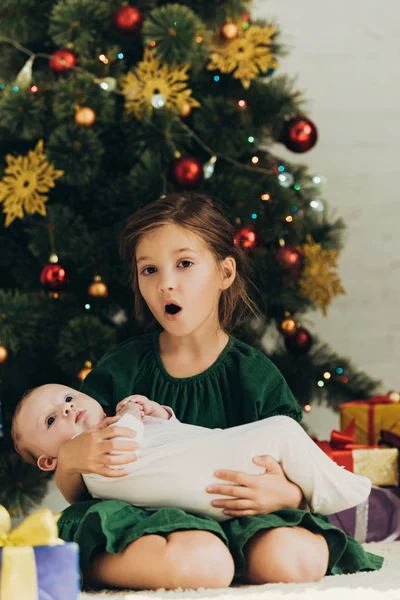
[53, 414]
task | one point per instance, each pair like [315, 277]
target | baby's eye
[69, 398]
[50, 421]
[146, 269]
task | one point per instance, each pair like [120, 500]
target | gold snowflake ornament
[25, 183]
[320, 281]
[246, 56]
[151, 79]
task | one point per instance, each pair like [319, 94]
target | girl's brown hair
[200, 215]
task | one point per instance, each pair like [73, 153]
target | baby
[176, 462]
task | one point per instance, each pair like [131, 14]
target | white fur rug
[379, 585]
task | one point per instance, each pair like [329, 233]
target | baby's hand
[141, 403]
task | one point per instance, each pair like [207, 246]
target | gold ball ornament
[83, 373]
[85, 116]
[3, 354]
[394, 395]
[229, 31]
[288, 326]
[98, 288]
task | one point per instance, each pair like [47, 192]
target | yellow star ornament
[320, 281]
[246, 56]
[25, 183]
[151, 79]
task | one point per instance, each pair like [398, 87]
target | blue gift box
[57, 571]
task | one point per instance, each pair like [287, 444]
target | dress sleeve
[100, 386]
[273, 393]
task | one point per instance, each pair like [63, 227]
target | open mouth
[172, 309]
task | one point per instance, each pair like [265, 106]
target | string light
[87, 306]
[104, 59]
[307, 408]
[339, 371]
[254, 216]
[320, 383]
[327, 375]
[153, 43]
[242, 103]
[265, 197]
[199, 39]
[281, 168]
[297, 187]
[109, 84]
[317, 205]
[250, 139]
[34, 89]
[289, 219]
[286, 179]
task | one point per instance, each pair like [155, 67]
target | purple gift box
[57, 572]
[375, 520]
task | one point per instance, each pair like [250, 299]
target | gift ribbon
[340, 445]
[371, 403]
[18, 572]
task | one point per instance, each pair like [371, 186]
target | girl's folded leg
[327, 487]
[182, 559]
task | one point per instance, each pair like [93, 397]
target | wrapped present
[379, 412]
[390, 439]
[375, 520]
[380, 465]
[34, 563]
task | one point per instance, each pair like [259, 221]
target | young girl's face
[53, 414]
[175, 266]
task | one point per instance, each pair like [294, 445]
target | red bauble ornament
[300, 342]
[245, 237]
[246, 17]
[128, 19]
[54, 277]
[187, 172]
[299, 134]
[62, 60]
[291, 259]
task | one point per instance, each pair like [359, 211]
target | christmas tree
[105, 107]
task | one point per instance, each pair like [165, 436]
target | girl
[189, 277]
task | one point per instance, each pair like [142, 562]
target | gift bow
[339, 445]
[18, 571]
[345, 440]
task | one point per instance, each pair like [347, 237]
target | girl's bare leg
[186, 559]
[286, 555]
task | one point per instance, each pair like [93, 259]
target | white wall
[346, 54]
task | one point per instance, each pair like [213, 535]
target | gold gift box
[371, 417]
[380, 465]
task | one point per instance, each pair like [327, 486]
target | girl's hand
[90, 451]
[256, 494]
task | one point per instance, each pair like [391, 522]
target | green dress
[241, 386]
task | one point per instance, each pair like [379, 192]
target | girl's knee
[200, 559]
[286, 555]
